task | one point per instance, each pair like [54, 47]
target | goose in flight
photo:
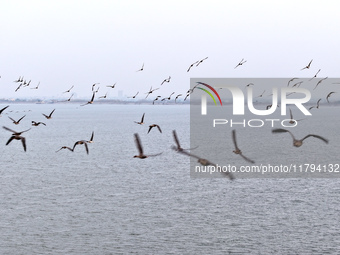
[296, 142]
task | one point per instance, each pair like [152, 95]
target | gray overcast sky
[78, 42]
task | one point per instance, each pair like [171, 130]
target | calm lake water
[107, 202]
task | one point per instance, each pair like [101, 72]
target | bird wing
[281, 130]
[51, 113]
[234, 139]
[150, 127]
[10, 139]
[11, 119]
[159, 128]
[138, 144]
[21, 118]
[316, 136]
[4, 109]
[8, 129]
[91, 139]
[86, 148]
[92, 97]
[142, 118]
[247, 159]
[23, 141]
[176, 139]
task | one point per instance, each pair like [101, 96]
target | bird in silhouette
[68, 89]
[200, 61]
[296, 142]
[192, 65]
[134, 95]
[150, 91]
[17, 136]
[141, 69]
[49, 116]
[329, 94]
[166, 80]
[154, 125]
[16, 122]
[240, 63]
[112, 86]
[308, 66]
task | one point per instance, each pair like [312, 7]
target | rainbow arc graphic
[209, 93]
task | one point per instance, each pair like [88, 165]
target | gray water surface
[107, 202]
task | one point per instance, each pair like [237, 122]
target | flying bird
[37, 123]
[68, 89]
[134, 95]
[141, 154]
[240, 63]
[153, 102]
[139, 70]
[91, 101]
[315, 75]
[17, 136]
[200, 160]
[142, 120]
[49, 116]
[150, 91]
[112, 86]
[16, 122]
[154, 125]
[320, 82]
[308, 66]
[192, 65]
[81, 142]
[200, 61]
[104, 95]
[296, 142]
[36, 86]
[292, 121]
[65, 147]
[329, 94]
[177, 97]
[166, 80]
[317, 105]
[237, 150]
[292, 79]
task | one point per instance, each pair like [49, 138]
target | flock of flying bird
[296, 142]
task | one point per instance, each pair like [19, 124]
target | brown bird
[81, 142]
[17, 136]
[237, 150]
[91, 101]
[308, 66]
[240, 63]
[142, 120]
[37, 123]
[16, 122]
[65, 147]
[154, 125]
[49, 116]
[296, 142]
[140, 149]
[317, 105]
[292, 121]
[200, 160]
[315, 75]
